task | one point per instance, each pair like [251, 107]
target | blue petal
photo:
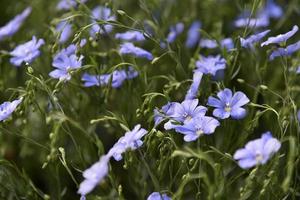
[221, 113]
[238, 113]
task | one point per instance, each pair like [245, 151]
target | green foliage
[62, 128]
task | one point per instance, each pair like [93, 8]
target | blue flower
[102, 14]
[7, 108]
[227, 43]
[249, 42]
[131, 140]
[197, 127]
[187, 110]
[211, 44]
[210, 64]
[129, 48]
[93, 80]
[26, 52]
[13, 26]
[257, 152]
[228, 105]
[207, 43]
[193, 34]
[65, 61]
[280, 38]
[94, 175]
[192, 92]
[166, 111]
[289, 50]
[272, 10]
[174, 32]
[68, 4]
[118, 77]
[158, 196]
[130, 36]
[65, 30]
[184, 112]
[260, 21]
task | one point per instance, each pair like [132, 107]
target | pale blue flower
[26, 52]
[7, 108]
[158, 196]
[251, 40]
[131, 140]
[65, 30]
[193, 34]
[129, 48]
[272, 10]
[229, 105]
[65, 61]
[94, 80]
[197, 127]
[102, 14]
[257, 152]
[94, 175]
[289, 50]
[208, 43]
[192, 92]
[184, 112]
[130, 36]
[210, 64]
[68, 4]
[281, 38]
[117, 78]
[14, 25]
[166, 111]
[260, 21]
[175, 30]
[187, 110]
[226, 43]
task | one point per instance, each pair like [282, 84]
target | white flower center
[258, 157]
[227, 107]
[199, 130]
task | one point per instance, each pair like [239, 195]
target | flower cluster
[189, 119]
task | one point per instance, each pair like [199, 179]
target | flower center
[188, 118]
[199, 130]
[258, 157]
[227, 107]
